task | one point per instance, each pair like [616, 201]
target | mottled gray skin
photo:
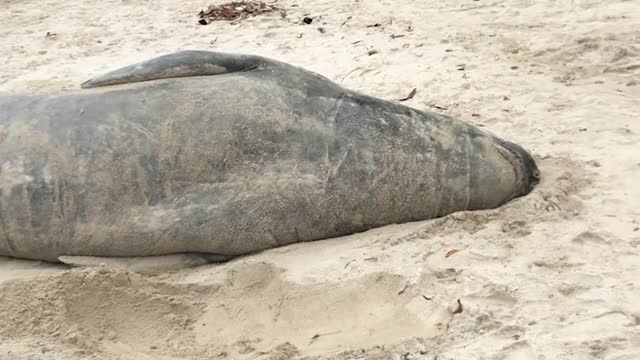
[154, 160]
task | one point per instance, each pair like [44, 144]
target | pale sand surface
[554, 275]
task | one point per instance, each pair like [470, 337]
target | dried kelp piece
[236, 10]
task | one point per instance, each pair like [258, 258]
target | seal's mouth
[524, 164]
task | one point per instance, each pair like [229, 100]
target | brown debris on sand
[235, 10]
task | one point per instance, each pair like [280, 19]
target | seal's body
[213, 153]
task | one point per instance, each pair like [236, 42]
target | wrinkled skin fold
[226, 154]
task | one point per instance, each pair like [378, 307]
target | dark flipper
[146, 264]
[180, 64]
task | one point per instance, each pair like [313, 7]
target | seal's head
[499, 171]
[524, 164]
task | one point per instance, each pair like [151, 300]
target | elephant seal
[216, 155]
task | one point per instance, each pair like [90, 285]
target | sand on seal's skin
[550, 276]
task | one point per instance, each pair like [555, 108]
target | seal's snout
[527, 166]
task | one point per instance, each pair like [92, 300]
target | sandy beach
[553, 275]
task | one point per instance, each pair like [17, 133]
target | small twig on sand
[451, 252]
[317, 336]
[458, 310]
[349, 73]
[410, 96]
[406, 285]
[436, 107]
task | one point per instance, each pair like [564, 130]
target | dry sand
[554, 275]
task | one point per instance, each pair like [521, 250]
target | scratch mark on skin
[327, 164]
[26, 201]
[468, 148]
[381, 175]
[141, 129]
[336, 168]
[339, 103]
[331, 172]
[3, 226]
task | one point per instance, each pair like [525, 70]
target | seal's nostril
[534, 179]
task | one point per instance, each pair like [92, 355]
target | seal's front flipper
[145, 264]
[179, 64]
